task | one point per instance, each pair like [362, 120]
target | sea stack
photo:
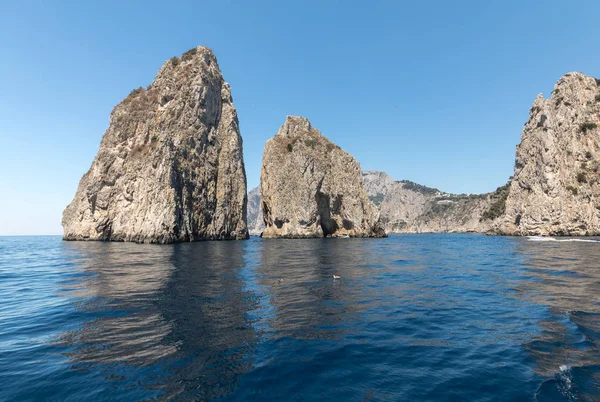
[170, 166]
[556, 185]
[310, 187]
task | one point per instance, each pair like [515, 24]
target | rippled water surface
[413, 317]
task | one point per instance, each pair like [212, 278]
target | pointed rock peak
[170, 165]
[295, 125]
[568, 80]
[312, 188]
[538, 105]
[200, 54]
[572, 76]
[189, 65]
[575, 87]
[190, 72]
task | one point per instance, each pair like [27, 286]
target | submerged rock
[170, 166]
[556, 186]
[311, 188]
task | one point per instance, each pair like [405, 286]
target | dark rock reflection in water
[413, 317]
[183, 303]
[125, 325]
[564, 276]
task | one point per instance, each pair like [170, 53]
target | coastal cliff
[556, 186]
[310, 187]
[170, 166]
[408, 207]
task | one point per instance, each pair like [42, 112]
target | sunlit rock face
[170, 166]
[556, 186]
[408, 207]
[256, 224]
[311, 188]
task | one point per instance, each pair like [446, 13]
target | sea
[427, 317]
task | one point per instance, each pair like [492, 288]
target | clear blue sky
[463, 74]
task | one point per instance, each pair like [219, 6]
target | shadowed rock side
[407, 207]
[256, 224]
[556, 186]
[311, 188]
[170, 167]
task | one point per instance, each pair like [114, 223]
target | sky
[463, 75]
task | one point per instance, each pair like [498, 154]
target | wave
[541, 238]
[559, 388]
[570, 384]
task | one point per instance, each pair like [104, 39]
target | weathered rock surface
[256, 224]
[170, 167]
[377, 185]
[556, 186]
[407, 207]
[311, 188]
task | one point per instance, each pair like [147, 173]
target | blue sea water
[413, 318]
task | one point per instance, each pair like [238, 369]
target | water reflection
[412, 317]
[124, 324]
[565, 277]
[209, 308]
[308, 302]
[180, 310]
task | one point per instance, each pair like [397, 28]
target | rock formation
[377, 185]
[170, 167]
[256, 224]
[311, 188]
[556, 186]
[407, 207]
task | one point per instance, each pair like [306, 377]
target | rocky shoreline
[170, 169]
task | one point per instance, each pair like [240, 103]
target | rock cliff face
[556, 186]
[377, 185]
[170, 167]
[256, 225]
[311, 188]
[407, 207]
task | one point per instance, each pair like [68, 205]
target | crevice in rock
[92, 201]
[328, 225]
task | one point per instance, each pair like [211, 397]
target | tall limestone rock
[556, 186]
[311, 188]
[170, 167]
